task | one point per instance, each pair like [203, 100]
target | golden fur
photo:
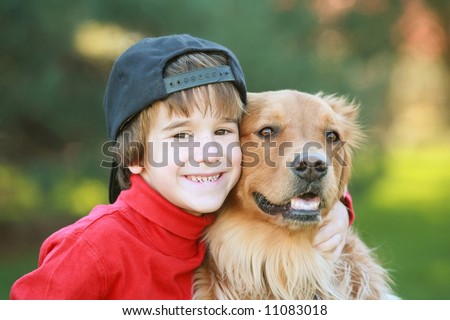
[256, 255]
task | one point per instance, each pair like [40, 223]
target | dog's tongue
[309, 204]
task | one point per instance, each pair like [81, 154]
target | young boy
[173, 106]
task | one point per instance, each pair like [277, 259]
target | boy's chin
[200, 209]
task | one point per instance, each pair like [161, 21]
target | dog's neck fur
[287, 268]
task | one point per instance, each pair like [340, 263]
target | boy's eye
[182, 135]
[222, 132]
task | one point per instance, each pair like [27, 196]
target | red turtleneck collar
[178, 231]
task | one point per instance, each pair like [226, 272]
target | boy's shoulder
[101, 224]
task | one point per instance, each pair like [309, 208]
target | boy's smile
[194, 161]
[204, 178]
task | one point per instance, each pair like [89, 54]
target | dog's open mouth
[303, 208]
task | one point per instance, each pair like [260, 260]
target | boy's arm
[332, 235]
[68, 269]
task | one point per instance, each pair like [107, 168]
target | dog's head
[296, 155]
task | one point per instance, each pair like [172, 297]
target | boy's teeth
[204, 179]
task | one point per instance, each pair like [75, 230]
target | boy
[173, 106]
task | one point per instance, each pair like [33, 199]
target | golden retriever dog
[296, 164]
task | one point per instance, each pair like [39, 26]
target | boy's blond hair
[221, 99]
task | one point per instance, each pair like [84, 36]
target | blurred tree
[52, 117]
[421, 101]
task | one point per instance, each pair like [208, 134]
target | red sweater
[140, 247]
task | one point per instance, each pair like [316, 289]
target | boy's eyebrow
[230, 120]
[176, 124]
[182, 123]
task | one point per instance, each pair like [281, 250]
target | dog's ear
[342, 106]
[348, 111]
[254, 99]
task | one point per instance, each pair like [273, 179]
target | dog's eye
[332, 136]
[266, 132]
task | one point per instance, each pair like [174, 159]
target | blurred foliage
[55, 57]
[404, 215]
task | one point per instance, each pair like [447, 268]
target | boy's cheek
[167, 154]
[236, 157]
[158, 155]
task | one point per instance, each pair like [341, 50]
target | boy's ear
[135, 169]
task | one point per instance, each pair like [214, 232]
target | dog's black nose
[310, 166]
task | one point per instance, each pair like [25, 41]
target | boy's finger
[323, 235]
[338, 251]
[329, 244]
[327, 231]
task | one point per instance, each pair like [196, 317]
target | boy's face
[193, 161]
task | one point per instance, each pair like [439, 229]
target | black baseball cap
[137, 81]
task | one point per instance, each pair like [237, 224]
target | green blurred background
[392, 56]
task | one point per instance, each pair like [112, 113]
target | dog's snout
[310, 166]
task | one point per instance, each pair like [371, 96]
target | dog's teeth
[305, 205]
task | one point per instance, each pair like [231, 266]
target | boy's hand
[333, 232]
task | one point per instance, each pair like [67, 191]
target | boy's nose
[208, 151]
